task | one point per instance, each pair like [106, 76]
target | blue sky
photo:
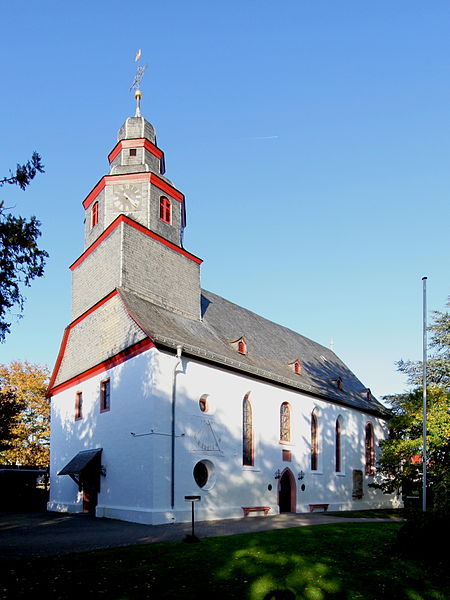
[311, 140]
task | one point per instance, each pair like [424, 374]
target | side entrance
[287, 492]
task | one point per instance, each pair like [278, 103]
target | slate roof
[271, 348]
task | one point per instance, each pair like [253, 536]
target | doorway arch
[287, 492]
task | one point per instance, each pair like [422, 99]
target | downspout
[172, 465]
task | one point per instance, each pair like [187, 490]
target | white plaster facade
[137, 483]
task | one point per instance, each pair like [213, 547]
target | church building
[163, 390]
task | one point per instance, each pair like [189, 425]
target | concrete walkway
[31, 535]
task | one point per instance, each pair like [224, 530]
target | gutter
[172, 454]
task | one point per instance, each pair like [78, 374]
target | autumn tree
[400, 464]
[21, 259]
[25, 414]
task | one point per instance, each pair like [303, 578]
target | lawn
[351, 561]
[376, 513]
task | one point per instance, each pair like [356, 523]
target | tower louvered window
[165, 210]
[285, 422]
[247, 433]
[94, 214]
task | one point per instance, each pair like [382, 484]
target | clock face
[127, 197]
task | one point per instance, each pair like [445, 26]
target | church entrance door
[286, 492]
[89, 483]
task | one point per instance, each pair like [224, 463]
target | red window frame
[165, 210]
[203, 403]
[370, 449]
[285, 422]
[248, 450]
[105, 395]
[78, 406]
[94, 214]
[314, 442]
[297, 367]
[338, 447]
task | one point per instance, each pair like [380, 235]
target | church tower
[134, 222]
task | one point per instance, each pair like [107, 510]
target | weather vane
[137, 82]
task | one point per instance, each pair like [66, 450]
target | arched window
[285, 422]
[370, 450]
[338, 447]
[314, 442]
[248, 458]
[94, 214]
[165, 210]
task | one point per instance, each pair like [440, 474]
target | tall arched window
[370, 450]
[285, 422]
[338, 447]
[248, 458]
[314, 442]
[165, 210]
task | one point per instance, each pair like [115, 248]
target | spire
[140, 70]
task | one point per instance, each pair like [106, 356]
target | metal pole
[424, 384]
[192, 503]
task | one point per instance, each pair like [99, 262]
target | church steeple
[134, 225]
[136, 186]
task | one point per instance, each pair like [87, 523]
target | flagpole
[424, 385]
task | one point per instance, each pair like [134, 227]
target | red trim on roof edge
[151, 177]
[109, 363]
[124, 219]
[93, 308]
[66, 337]
[134, 143]
[62, 349]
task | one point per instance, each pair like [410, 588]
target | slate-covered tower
[134, 222]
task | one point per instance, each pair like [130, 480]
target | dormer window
[242, 346]
[339, 383]
[369, 394]
[133, 151]
[165, 210]
[296, 366]
[94, 214]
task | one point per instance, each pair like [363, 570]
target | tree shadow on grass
[280, 576]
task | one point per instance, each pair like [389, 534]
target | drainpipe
[172, 465]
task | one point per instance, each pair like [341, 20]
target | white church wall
[126, 485]
[216, 436]
[138, 483]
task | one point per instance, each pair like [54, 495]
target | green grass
[348, 561]
[378, 513]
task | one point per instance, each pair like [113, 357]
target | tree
[438, 364]
[21, 260]
[25, 413]
[400, 464]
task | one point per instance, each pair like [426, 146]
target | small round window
[204, 474]
[203, 403]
